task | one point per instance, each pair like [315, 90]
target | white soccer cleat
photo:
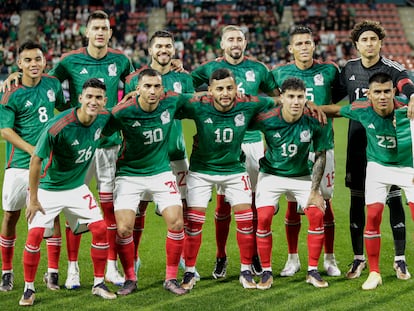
[292, 265]
[374, 279]
[330, 266]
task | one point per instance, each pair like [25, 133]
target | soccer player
[221, 120]
[57, 184]
[290, 135]
[367, 36]
[321, 80]
[161, 49]
[144, 168]
[24, 110]
[376, 115]
[251, 78]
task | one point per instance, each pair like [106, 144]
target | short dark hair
[300, 30]
[220, 74]
[95, 83]
[367, 25]
[380, 77]
[98, 14]
[293, 83]
[161, 34]
[148, 72]
[30, 45]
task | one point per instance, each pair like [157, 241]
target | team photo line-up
[135, 150]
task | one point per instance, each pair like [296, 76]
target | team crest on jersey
[178, 88]
[250, 76]
[239, 120]
[165, 117]
[305, 136]
[51, 95]
[97, 134]
[318, 79]
[112, 70]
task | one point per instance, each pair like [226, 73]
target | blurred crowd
[195, 23]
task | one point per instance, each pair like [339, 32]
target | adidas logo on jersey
[208, 121]
[83, 71]
[75, 142]
[352, 78]
[28, 104]
[371, 126]
[277, 135]
[136, 123]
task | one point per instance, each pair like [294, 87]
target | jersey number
[387, 142]
[309, 94]
[289, 150]
[84, 155]
[329, 179]
[246, 182]
[181, 178]
[360, 92]
[43, 117]
[224, 136]
[91, 201]
[173, 186]
[153, 136]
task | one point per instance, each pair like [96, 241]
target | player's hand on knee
[316, 199]
[32, 209]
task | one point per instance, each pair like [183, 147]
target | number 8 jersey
[26, 110]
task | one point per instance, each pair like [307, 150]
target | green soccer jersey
[381, 134]
[144, 149]
[67, 148]
[321, 80]
[251, 77]
[288, 144]
[178, 82]
[26, 110]
[78, 66]
[217, 144]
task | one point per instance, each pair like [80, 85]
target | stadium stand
[196, 25]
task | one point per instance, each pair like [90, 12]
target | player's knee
[315, 217]
[177, 224]
[10, 218]
[374, 216]
[97, 228]
[265, 217]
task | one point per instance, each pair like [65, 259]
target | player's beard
[236, 54]
[165, 61]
